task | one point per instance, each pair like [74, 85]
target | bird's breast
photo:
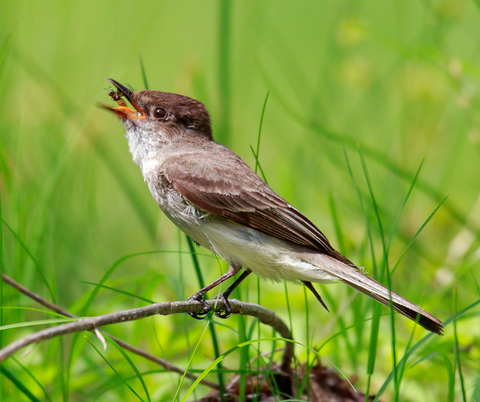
[185, 216]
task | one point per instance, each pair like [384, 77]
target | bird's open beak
[122, 110]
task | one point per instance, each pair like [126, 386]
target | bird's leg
[314, 291]
[224, 295]
[199, 295]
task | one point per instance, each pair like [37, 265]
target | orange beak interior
[122, 110]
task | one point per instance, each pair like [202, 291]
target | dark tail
[357, 280]
[381, 294]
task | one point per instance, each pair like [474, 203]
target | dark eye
[159, 113]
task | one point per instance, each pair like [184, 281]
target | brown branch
[165, 364]
[34, 296]
[265, 316]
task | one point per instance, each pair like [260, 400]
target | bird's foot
[206, 307]
[228, 309]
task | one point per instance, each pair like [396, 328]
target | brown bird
[213, 196]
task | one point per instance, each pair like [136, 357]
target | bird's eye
[159, 113]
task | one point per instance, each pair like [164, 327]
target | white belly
[265, 255]
[241, 246]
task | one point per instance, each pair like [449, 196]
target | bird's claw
[228, 309]
[205, 305]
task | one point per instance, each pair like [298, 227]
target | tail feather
[380, 293]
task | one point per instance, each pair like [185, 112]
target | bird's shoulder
[213, 165]
[214, 176]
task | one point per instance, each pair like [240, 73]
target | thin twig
[34, 296]
[265, 316]
[163, 363]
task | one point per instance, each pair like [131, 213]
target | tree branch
[265, 316]
[165, 364]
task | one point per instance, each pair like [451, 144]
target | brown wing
[224, 185]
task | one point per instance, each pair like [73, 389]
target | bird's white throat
[146, 150]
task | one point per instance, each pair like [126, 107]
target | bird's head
[159, 116]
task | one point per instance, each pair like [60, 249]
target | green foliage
[393, 86]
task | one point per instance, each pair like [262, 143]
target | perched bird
[213, 196]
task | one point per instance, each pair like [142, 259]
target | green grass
[393, 86]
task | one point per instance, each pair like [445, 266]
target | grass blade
[216, 349]
[119, 291]
[144, 74]
[34, 260]
[418, 232]
[420, 343]
[114, 370]
[376, 313]
[224, 81]
[192, 387]
[241, 345]
[93, 295]
[33, 378]
[106, 275]
[256, 154]
[387, 271]
[397, 219]
[1, 278]
[457, 351]
[37, 322]
[336, 224]
[132, 365]
[8, 374]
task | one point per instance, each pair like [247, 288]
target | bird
[214, 197]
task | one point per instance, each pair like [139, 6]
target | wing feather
[230, 189]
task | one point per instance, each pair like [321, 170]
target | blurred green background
[395, 83]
